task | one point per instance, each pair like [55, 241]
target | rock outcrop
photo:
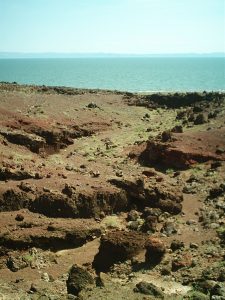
[181, 150]
[161, 195]
[118, 246]
[46, 233]
[79, 204]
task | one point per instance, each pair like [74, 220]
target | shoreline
[142, 92]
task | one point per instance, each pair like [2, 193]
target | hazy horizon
[103, 55]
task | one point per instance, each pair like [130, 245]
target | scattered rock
[218, 292]
[92, 105]
[149, 289]
[177, 245]
[155, 250]
[19, 217]
[79, 278]
[201, 118]
[184, 261]
[133, 215]
[169, 228]
[150, 224]
[15, 264]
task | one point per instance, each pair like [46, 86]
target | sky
[112, 26]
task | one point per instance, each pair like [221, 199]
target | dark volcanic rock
[201, 119]
[155, 250]
[175, 100]
[170, 206]
[176, 245]
[54, 205]
[79, 204]
[150, 224]
[78, 279]
[161, 195]
[15, 264]
[15, 174]
[117, 246]
[217, 191]
[149, 289]
[12, 200]
[30, 140]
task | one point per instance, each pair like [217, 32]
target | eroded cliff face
[182, 150]
[126, 184]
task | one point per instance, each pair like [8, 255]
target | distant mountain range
[5, 55]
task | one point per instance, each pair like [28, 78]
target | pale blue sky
[113, 26]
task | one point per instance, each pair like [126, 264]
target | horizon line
[107, 53]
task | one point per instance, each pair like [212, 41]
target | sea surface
[120, 73]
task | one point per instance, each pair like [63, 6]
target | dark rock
[78, 279]
[201, 119]
[218, 290]
[177, 128]
[26, 187]
[147, 194]
[118, 246]
[133, 215]
[14, 174]
[155, 250]
[216, 164]
[217, 191]
[92, 105]
[149, 211]
[69, 190]
[72, 204]
[169, 228]
[165, 271]
[184, 261]
[19, 217]
[150, 224]
[12, 200]
[170, 206]
[214, 273]
[34, 142]
[166, 136]
[149, 289]
[197, 109]
[177, 245]
[15, 264]
[194, 246]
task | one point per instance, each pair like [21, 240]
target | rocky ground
[111, 195]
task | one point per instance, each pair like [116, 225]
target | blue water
[131, 74]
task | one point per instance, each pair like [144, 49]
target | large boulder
[78, 279]
[118, 246]
[155, 250]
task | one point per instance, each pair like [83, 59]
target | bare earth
[128, 188]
